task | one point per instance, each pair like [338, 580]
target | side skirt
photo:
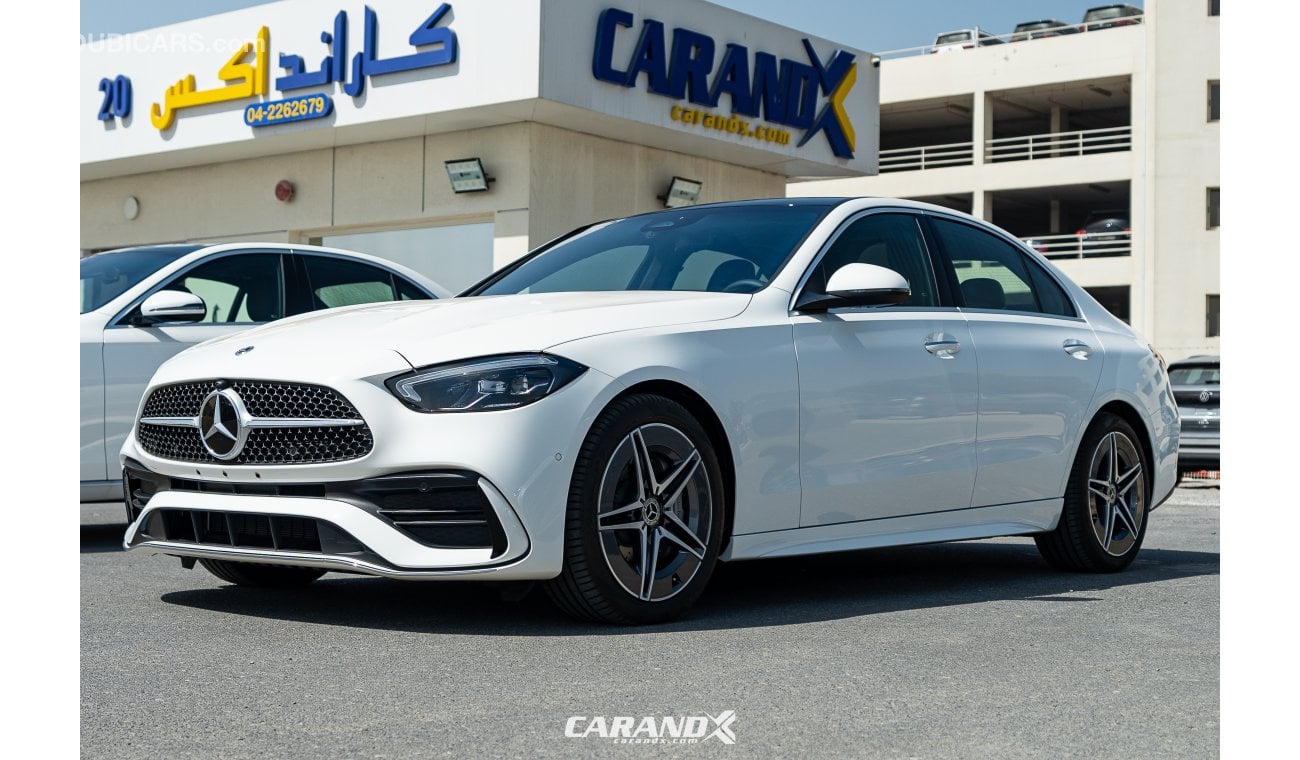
[954, 525]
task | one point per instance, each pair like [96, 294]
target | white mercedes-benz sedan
[632, 403]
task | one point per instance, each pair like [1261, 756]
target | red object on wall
[284, 191]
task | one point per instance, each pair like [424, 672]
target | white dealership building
[299, 121]
[1039, 136]
[339, 126]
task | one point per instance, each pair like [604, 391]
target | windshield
[718, 249]
[1102, 14]
[1204, 374]
[106, 276]
[951, 37]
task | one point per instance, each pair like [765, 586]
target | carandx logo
[670, 729]
[777, 90]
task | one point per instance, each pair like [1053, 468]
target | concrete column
[1057, 119]
[981, 205]
[1054, 219]
[981, 124]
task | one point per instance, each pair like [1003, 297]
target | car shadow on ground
[745, 594]
[97, 539]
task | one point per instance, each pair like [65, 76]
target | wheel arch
[703, 412]
[1133, 417]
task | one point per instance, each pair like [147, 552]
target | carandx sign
[807, 95]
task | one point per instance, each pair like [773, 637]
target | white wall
[548, 181]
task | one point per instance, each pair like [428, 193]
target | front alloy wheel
[645, 515]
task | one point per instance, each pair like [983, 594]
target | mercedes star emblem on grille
[222, 423]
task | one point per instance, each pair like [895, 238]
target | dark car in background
[1107, 16]
[1106, 233]
[1037, 30]
[1195, 383]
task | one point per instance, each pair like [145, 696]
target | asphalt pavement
[965, 650]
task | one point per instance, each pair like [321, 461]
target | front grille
[261, 398]
[244, 530]
[305, 444]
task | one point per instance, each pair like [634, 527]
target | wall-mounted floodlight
[682, 192]
[468, 175]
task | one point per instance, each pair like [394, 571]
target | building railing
[927, 157]
[1057, 144]
[1049, 145]
[1055, 31]
[1082, 246]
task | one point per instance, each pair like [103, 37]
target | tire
[617, 517]
[1104, 518]
[260, 576]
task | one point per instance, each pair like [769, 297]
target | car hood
[429, 332]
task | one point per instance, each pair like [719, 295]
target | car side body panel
[1034, 397]
[744, 368]
[886, 427]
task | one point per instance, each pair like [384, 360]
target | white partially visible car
[140, 306]
[627, 406]
[963, 39]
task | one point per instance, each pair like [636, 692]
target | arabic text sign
[247, 73]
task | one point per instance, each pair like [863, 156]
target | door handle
[942, 345]
[1077, 349]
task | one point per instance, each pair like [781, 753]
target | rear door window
[994, 274]
[338, 282]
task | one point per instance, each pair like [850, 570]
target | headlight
[481, 385]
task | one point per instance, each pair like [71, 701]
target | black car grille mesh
[243, 530]
[305, 444]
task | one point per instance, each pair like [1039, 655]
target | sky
[872, 25]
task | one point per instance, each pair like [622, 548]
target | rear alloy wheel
[645, 515]
[260, 576]
[1103, 520]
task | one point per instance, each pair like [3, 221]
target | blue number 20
[117, 98]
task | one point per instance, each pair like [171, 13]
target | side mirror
[171, 306]
[858, 285]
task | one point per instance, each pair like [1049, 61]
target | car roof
[1198, 359]
[827, 202]
[179, 249]
[1052, 21]
[1113, 5]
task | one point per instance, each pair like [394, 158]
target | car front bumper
[325, 533]
[519, 460]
